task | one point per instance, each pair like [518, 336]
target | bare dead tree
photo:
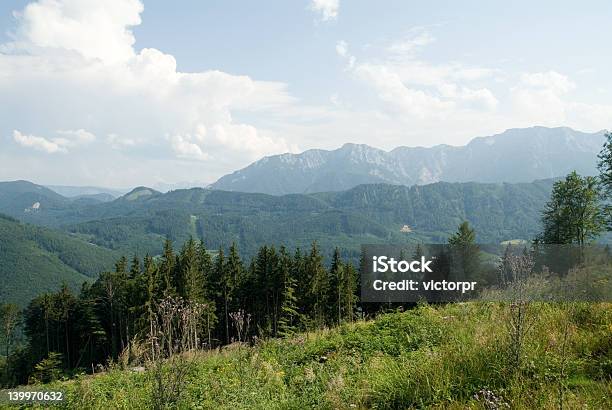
[517, 270]
[174, 332]
[241, 321]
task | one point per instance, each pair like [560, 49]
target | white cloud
[410, 45]
[37, 143]
[343, 51]
[72, 66]
[551, 80]
[76, 137]
[404, 100]
[414, 89]
[68, 139]
[328, 9]
[92, 28]
[342, 48]
[118, 142]
[185, 148]
[544, 98]
[448, 95]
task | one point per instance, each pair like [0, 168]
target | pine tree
[206, 271]
[418, 252]
[289, 314]
[166, 275]
[223, 283]
[465, 252]
[150, 285]
[348, 292]
[234, 267]
[10, 317]
[336, 283]
[135, 268]
[318, 279]
[190, 279]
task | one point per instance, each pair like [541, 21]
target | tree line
[277, 294]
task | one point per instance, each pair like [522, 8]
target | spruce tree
[223, 283]
[289, 314]
[336, 283]
[166, 273]
[318, 279]
[464, 252]
[349, 292]
[190, 279]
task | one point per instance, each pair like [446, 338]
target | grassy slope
[428, 357]
[35, 260]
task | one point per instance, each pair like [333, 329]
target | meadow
[451, 356]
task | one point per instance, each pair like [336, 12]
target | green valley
[36, 259]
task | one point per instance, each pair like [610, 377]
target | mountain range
[516, 155]
[342, 198]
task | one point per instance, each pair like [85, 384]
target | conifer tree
[289, 314]
[223, 283]
[166, 274]
[349, 289]
[287, 324]
[190, 281]
[10, 316]
[318, 279]
[336, 283]
[464, 251]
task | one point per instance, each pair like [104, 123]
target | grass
[446, 357]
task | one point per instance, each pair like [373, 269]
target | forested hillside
[140, 220]
[35, 260]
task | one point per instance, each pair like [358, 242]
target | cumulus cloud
[544, 97]
[551, 80]
[37, 143]
[411, 44]
[184, 147]
[67, 139]
[91, 28]
[76, 137]
[72, 66]
[343, 51]
[342, 48]
[414, 88]
[327, 9]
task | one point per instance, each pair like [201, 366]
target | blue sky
[122, 93]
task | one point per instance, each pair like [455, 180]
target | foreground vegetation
[453, 356]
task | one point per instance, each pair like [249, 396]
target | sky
[121, 93]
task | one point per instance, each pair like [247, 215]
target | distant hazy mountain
[100, 193]
[516, 155]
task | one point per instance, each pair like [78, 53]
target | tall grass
[453, 356]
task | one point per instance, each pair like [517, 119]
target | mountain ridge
[516, 155]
